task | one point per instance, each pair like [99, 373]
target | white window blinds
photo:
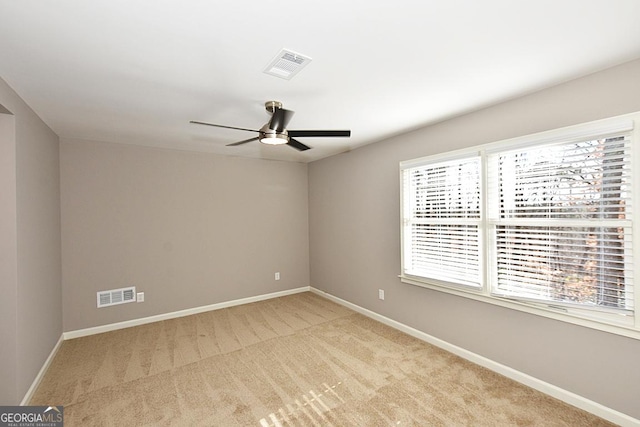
[441, 235]
[560, 220]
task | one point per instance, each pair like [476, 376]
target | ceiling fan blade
[297, 145]
[221, 126]
[242, 142]
[320, 133]
[280, 119]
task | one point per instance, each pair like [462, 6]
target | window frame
[628, 326]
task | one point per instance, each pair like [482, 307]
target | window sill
[625, 328]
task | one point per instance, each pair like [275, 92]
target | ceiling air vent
[116, 296]
[287, 64]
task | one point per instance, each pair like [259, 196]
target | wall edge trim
[180, 313]
[566, 396]
[36, 381]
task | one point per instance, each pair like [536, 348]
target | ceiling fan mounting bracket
[272, 105]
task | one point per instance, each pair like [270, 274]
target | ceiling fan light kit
[275, 131]
[273, 138]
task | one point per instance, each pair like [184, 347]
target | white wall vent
[287, 64]
[116, 296]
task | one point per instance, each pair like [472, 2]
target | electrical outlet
[278, 275]
[381, 293]
[140, 297]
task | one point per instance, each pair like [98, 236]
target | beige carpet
[292, 361]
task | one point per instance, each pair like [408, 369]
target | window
[443, 225]
[542, 223]
[560, 222]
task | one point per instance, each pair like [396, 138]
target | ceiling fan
[275, 131]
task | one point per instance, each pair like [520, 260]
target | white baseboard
[175, 314]
[36, 382]
[535, 383]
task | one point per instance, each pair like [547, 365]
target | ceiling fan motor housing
[272, 136]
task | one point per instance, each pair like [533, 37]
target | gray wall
[355, 243]
[192, 229]
[30, 274]
[188, 229]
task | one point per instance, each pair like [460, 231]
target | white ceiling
[136, 71]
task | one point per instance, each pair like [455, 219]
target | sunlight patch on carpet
[314, 401]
